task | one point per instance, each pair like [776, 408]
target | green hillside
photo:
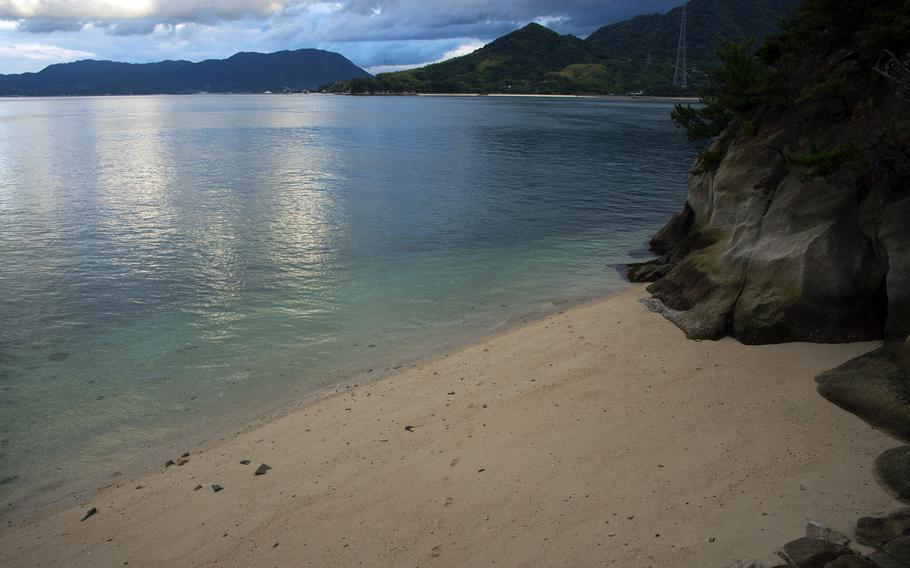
[637, 54]
[707, 20]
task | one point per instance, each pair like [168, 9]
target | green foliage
[741, 82]
[818, 163]
[654, 36]
[701, 123]
[738, 86]
[750, 127]
[708, 161]
[822, 26]
[824, 91]
[823, 55]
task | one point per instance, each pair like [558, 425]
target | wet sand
[599, 436]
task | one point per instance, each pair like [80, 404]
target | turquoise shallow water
[168, 264]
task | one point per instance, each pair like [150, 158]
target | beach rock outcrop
[795, 226]
[764, 253]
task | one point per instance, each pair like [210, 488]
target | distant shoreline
[464, 95]
[555, 96]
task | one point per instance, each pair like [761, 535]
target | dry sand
[598, 436]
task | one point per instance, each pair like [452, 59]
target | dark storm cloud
[370, 32]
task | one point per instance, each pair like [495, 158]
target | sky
[378, 35]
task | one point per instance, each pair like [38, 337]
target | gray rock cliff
[765, 252]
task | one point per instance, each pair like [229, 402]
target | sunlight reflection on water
[169, 264]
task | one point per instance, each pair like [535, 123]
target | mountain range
[636, 54]
[241, 73]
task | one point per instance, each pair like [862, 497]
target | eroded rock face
[765, 254]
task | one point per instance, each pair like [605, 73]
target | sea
[173, 268]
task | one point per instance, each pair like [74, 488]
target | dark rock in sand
[811, 552]
[8, 479]
[895, 554]
[169, 463]
[89, 513]
[876, 531]
[875, 387]
[245, 462]
[409, 428]
[262, 469]
[850, 561]
[216, 488]
[815, 529]
[893, 469]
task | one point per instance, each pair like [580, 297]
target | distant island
[244, 72]
[636, 55]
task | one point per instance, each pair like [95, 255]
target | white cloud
[8, 25]
[137, 9]
[552, 20]
[463, 49]
[377, 69]
[41, 52]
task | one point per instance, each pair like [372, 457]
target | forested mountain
[637, 54]
[240, 73]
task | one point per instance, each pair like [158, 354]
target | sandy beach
[598, 436]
